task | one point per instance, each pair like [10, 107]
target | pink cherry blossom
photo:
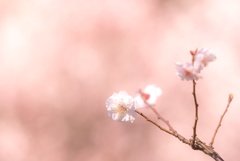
[187, 71]
[148, 95]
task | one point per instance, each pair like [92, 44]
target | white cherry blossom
[121, 106]
[202, 58]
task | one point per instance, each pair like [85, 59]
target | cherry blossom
[149, 95]
[187, 71]
[121, 106]
[202, 58]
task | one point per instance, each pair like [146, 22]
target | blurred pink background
[60, 61]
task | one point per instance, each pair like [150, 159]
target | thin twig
[173, 133]
[144, 98]
[196, 115]
[230, 98]
[160, 117]
[154, 123]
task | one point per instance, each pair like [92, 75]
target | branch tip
[230, 98]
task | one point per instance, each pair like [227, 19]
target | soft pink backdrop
[60, 61]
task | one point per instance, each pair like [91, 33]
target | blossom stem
[230, 98]
[173, 133]
[196, 115]
[160, 117]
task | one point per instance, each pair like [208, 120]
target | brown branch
[160, 117]
[173, 133]
[230, 98]
[196, 115]
[199, 145]
[144, 98]
[207, 150]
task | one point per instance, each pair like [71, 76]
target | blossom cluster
[200, 59]
[121, 106]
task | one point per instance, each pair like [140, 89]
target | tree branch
[196, 115]
[230, 98]
[173, 133]
[160, 117]
[199, 145]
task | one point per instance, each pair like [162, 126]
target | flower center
[187, 72]
[121, 108]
